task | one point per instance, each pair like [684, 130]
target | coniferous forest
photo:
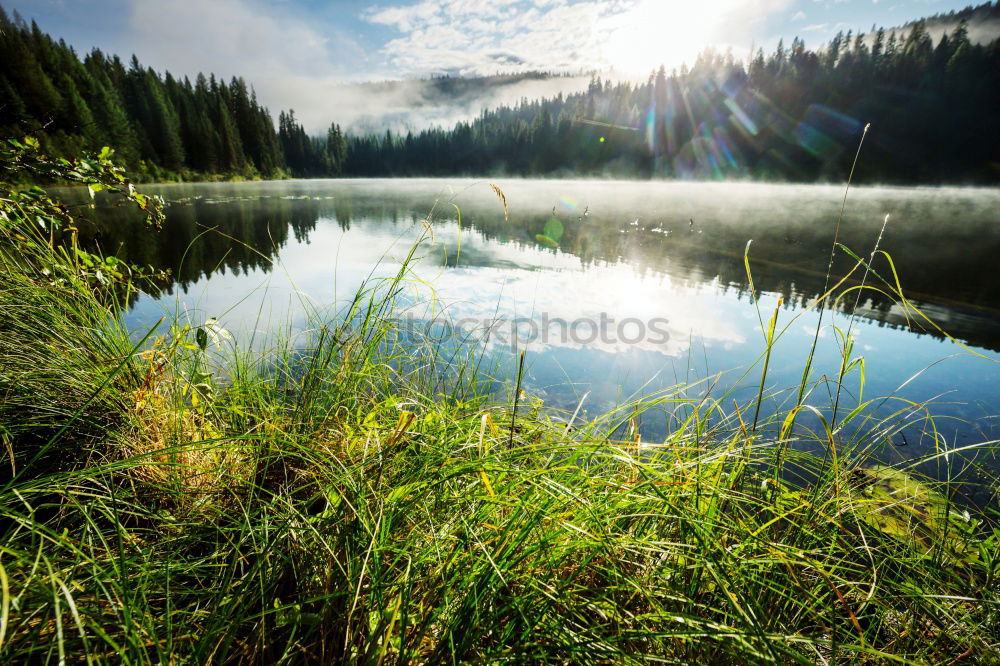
[794, 114]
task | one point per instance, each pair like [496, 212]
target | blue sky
[295, 51]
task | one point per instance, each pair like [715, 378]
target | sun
[660, 32]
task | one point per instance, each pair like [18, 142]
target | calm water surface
[658, 266]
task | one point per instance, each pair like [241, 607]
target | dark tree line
[311, 156]
[794, 114]
[160, 126]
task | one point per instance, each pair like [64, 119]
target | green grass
[173, 500]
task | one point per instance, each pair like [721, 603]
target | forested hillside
[160, 126]
[795, 114]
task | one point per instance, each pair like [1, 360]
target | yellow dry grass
[174, 432]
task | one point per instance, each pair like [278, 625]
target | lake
[614, 289]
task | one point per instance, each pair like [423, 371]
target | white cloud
[406, 18]
[228, 37]
[487, 36]
[633, 36]
[290, 63]
[799, 16]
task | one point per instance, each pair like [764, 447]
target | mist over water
[615, 289]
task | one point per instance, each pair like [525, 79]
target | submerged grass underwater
[181, 499]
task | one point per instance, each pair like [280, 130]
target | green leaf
[217, 332]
